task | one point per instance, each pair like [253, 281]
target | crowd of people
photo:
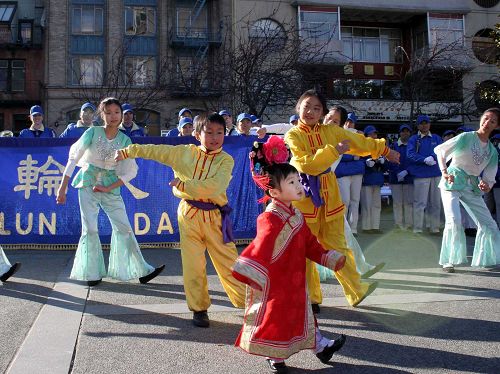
[316, 179]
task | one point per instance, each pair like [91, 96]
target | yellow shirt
[204, 175]
[313, 150]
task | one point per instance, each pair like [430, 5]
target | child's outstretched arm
[165, 154]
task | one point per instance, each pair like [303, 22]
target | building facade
[390, 60]
[21, 61]
[156, 55]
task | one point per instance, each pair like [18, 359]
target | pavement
[419, 319]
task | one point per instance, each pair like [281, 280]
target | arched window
[486, 3]
[483, 46]
[268, 34]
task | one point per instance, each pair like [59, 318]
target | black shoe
[13, 269]
[371, 288]
[277, 367]
[94, 283]
[326, 354]
[145, 279]
[316, 309]
[376, 269]
[200, 319]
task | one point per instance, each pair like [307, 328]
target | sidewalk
[419, 320]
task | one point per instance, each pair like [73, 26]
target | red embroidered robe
[278, 317]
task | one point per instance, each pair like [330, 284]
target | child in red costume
[278, 318]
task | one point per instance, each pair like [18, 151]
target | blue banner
[31, 171]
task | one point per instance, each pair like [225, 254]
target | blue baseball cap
[423, 118]
[88, 106]
[369, 130]
[184, 110]
[295, 117]
[224, 113]
[126, 107]
[405, 126]
[243, 116]
[36, 109]
[184, 121]
[352, 117]
[496, 137]
[448, 132]
[255, 119]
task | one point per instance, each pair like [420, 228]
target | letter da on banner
[164, 225]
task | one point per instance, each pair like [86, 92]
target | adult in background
[87, 116]
[472, 171]
[228, 119]
[185, 127]
[37, 129]
[183, 113]
[401, 182]
[349, 174]
[128, 126]
[373, 180]
[423, 167]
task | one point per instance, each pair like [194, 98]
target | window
[191, 72]
[7, 12]
[140, 21]
[269, 33]
[367, 89]
[12, 75]
[188, 24]
[485, 93]
[483, 46]
[86, 71]
[26, 32]
[140, 71]
[87, 20]
[446, 30]
[371, 44]
[486, 3]
[319, 25]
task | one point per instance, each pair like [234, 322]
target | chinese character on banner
[31, 177]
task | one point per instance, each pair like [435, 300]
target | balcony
[11, 39]
[194, 38]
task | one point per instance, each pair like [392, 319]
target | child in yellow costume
[202, 175]
[315, 147]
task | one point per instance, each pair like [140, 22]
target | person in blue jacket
[128, 126]
[371, 202]
[423, 167]
[349, 174]
[37, 129]
[87, 116]
[401, 182]
[183, 113]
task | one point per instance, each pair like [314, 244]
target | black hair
[342, 111]
[278, 173]
[312, 93]
[203, 119]
[108, 101]
[494, 110]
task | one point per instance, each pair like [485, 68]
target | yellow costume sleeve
[361, 145]
[305, 161]
[170, 155]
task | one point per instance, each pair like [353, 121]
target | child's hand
[174, 182]
[483, 186]
[343, 146]
[118, 156]
[393, 156]
[101, 189]
[261, 132]
[450, 178]
[61, 197]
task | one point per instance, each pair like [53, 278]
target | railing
[194, 37]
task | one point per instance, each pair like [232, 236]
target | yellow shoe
[370, 289]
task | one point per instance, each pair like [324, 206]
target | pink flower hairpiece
[275, 150]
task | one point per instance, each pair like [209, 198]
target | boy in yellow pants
[202, 175]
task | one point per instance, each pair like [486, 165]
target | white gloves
[401, 175]
[370, 163]
[381, 160]
[429, 160]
